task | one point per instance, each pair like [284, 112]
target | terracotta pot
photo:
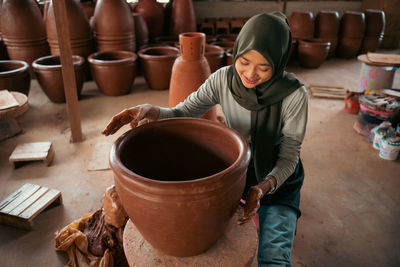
[153, 13]
[334, 44]
[352, 24]
[348, 47]
[182, 205]
[327, 24]
[215, 56]
[114, 26]
[228, 57]
[114, 71]
[190, 70]
[302, 24]
[157, 62]
[236, 25]
[227, 37]
[166, 40]
[221, 27]
[88, 8]
[14, 76]
[374, 22]
[141, 31]
[49, 75]
[370, 44]
[210, 39]
[313, 52]
[207, 28]
[183, 18]
[224, 44]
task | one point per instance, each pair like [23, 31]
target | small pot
[157, 62]
[114, 71]
[312, 52]
[14, 76]
[49, 75]
[215, 56]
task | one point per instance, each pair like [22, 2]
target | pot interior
[179, 152]
[161, 52]
[54, 61]
[109, 56]
[9, 66]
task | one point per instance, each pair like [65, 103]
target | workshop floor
[350, 200]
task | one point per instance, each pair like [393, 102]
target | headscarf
[269, 35]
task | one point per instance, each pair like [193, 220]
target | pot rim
[37, 64]
[131, 57]
[142, 53]
[115, 162]
[314, 42]
[23, 66]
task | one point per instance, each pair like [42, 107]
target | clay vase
[182, 205]
[352, 27]
[327, 24]
[23, 30]
[88, 8]
[114, 71]
[14, 76]
[49, 75]
[302, 24]
[141, 31]
[348, 47]
[153, 13]
[114, 26]
[374, 30]
[190, 70]
[157, 62]
[311, 53]
[215, 56]
[183, 18]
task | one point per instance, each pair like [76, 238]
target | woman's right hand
[136, 116]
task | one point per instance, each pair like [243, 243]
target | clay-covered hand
[136, 116]
[253, 198]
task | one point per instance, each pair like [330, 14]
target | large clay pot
[313, 52]
[153, 13]
[14, 76]
[227, 45]
[182, 205]
[114, 26]
[49, 75]
[302, 24]
[157, 62]
[141, 31]
[348, 47]
[352, 24]
[215, 56]
[228, 57]
[370, 44]
[374, 22]
[334, 43]
[88, 8]
[327, 24]
[114, 71]
[190, 70]
[183, 18]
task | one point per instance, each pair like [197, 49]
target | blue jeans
[277, 229]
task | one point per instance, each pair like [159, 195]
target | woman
[268, 106]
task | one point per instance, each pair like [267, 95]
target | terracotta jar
[215, 56]
[182, 205]
[157, 62]
[114, 71]
[183, 18]
[327, 24]
[190, 70]
[23, 30]
[374, 22]
[236, 25]
[88, 8]
[224, 44]
[348, 47]
[166, 40]
[114, 26]
[14, 76]
[231, 37]
[141, 31]
[352, 24]
[370, 44]
[221, 27]
[207, 28]
[49, 75]
[153, 13]
[302, 24]
[311, 53]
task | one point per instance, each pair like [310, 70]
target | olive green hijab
[268, 34]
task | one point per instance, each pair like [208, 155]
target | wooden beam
[68, 73]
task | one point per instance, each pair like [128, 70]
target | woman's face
[253, 69]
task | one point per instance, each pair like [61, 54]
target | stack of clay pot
[23, 30]
[327, 24]
[14, 76]
[183, 18]
[302, 24]
[154, 14]
[312, 52]
[215, 56]
[114, 26]
[190, 70]
[374, 30]
[222, 26]
[352, 26]
[141, 31]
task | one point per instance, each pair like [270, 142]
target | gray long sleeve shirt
[293, 118]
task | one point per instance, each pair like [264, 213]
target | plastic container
[373, 77]
[389, 150]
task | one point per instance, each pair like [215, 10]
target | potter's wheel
[14, 112]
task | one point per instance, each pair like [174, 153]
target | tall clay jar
[183, 18]
[154, 14]
[181, 206]
[190, 70]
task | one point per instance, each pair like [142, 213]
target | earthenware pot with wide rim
[312, 52]
[302, 24]
[327, 24]
[348, 47]
[15, 76]
[182, 205]
[224, 44]
[154, 14]
[215, 56]
[157, 62]
[190, 70]
[183, 17]
[49, 75]
[114, 71]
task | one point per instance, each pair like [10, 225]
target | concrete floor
[350, 198]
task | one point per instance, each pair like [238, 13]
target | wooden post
[67, 67]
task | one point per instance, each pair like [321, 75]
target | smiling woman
[253, 69]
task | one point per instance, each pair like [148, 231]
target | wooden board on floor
[21, 207]
[32, 152]
[100, 156]
[333, 92]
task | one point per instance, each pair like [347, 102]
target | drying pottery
[166, 40]
[153, 13]
[157, 62]
[14, 76]
[374, 22]
[49, 75]
[207, 28]
[215, 56]
[190, 70]
[182, 205]
[348, 47]
[88, 8]
[236, 25]
[221, 27]
[231, 37]
[352, 24]
[183, 18]
[370, 44]
[114, 71]
[302, 24]
[227, 45]
[327, 24]
[141, 31]
[228, 57]
[311, 53]
[114, 26]
[334, 43]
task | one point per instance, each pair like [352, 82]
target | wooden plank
[48, 198]
[384, 58]
[7, 100]
[67, 68]
[29, 201]
[30, 151]
[327, 96]
[14, 195]
[21, 198]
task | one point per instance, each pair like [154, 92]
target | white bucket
[389, 150]
[374, 77]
